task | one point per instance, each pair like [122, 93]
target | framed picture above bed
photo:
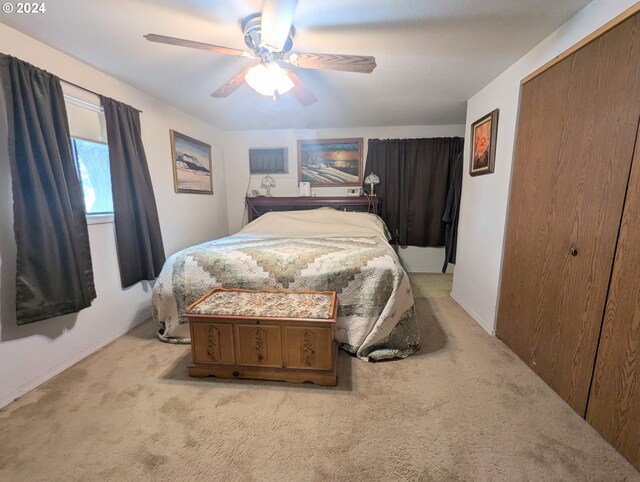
[330, 162]
[191, 164]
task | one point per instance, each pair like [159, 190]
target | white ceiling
[432, 55]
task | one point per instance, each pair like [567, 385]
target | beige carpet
[464, 408]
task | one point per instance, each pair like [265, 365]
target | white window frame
[100, 218]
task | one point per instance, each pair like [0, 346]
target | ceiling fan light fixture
[269, 79]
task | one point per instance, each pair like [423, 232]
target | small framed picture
[484, 133]
[330, 162]
[192, 170]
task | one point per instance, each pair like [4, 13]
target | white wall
[32, 353]
[236, 154]
[484, 198]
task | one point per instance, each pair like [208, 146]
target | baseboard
[483, 324]
[49, 374]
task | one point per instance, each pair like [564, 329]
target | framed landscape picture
[330, 162]
[484, 132]
[191, 164]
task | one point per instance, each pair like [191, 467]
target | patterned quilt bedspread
[375, 303]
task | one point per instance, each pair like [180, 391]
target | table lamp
[372, 180]
[268, 182]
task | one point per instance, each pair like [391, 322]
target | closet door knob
[573, 251]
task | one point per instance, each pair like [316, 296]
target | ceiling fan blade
[163, 39]
[277, 18]
[299, 91]
[232, 85]
[347, 63]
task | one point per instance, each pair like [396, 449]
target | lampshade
[268, 182]
[268, 79]
[372, 179]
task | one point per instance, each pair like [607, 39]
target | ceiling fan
[269, 36]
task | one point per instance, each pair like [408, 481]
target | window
[268, 161]
[92, 161]
[90, 150]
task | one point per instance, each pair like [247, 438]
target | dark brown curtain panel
[138, 236]
[386, 159]
[54, 274]
[414, 183]
[452, 211]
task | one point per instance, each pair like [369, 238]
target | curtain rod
[88, 90]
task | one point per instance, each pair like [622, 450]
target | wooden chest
[267, 335]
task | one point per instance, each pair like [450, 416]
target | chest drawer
[258, 345]
[213, 343]
[308, 347]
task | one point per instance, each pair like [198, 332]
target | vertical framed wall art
[484, 134]
[192, 169]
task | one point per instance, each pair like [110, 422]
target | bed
[320, 249]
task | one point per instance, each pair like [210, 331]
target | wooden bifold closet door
[614, 404]
[576, 136]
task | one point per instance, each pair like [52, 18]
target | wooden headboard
[257, 206]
